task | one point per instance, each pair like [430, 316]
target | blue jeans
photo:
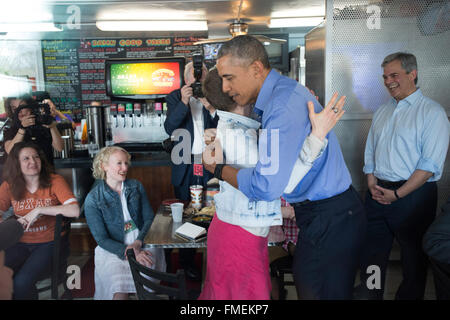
[30, 262]
[406, 220]
[330, 235]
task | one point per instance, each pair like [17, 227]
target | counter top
[147, 159]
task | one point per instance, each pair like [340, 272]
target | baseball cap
[10, 233]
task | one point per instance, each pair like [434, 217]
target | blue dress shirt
[282, 104]
[405, 136]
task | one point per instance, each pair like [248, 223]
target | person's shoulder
[94, 194]
[174, 94]
[57, 178]
[133, 183]
[432, 106]
[383, 107]
[4, 186]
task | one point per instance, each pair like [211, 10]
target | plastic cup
[177, 211]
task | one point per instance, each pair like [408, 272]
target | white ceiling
[219, 14]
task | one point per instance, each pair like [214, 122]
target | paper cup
[177, 211]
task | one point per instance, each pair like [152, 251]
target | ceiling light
[295, 22]
[153, 25]
[30, 27]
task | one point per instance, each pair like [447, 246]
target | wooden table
[162, 234]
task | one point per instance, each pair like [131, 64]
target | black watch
[218, 171]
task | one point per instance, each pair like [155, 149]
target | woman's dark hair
[25, 97]
[12, 172]
[212, 89]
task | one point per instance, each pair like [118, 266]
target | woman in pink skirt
[238, 261]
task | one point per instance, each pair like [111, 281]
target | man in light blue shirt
[404, 157]
[328, 211]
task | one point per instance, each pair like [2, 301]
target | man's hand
[384, 196]
[186, 94]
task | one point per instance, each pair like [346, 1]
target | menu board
[74, 70]
[184, 46]
[62, 74]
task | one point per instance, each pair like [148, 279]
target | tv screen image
[144, 79]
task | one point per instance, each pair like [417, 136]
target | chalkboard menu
[74, 70]
[62, 73]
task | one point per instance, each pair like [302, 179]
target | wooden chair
[159, 291]
[278, 269]
[61, 252]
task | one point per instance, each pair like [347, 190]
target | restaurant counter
[152, 169]
[147, 159]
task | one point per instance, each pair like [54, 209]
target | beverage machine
[137, 88]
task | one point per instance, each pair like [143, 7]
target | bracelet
[396, 195]
[218, 171]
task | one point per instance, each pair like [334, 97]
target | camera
[41, 112]
[197, 60]
[40, 96]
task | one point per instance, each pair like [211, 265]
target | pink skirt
[237, 264]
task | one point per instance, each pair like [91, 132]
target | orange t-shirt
[43, 228]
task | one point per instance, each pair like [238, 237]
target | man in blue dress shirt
[404, 157]
[328, 210]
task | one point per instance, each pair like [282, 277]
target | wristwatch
[218, 171]
[396, 195]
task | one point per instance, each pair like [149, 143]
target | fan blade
[263, 39]
[217, 40]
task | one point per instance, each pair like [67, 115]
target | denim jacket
[104, 215]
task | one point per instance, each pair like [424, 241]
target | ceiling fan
[238, 28]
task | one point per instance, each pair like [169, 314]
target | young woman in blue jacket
[119, 216]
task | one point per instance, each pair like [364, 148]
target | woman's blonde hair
[103, 157]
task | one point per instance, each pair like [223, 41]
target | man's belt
[391, 185]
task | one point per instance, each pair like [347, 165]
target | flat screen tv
[143, 78]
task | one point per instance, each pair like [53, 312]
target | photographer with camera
[32, 121]
[188, 109]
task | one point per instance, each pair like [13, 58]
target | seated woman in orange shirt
[37, 195]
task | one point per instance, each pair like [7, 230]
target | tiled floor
[393, 279]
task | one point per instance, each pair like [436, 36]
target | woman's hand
[136, 246]
[28, 121]
[28, 219]
[324, 121]
[288, 213]
[144, 258]
[209, 135]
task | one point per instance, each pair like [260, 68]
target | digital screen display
[211, 50]
[144, 78]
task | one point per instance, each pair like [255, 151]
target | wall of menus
[74, 69]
